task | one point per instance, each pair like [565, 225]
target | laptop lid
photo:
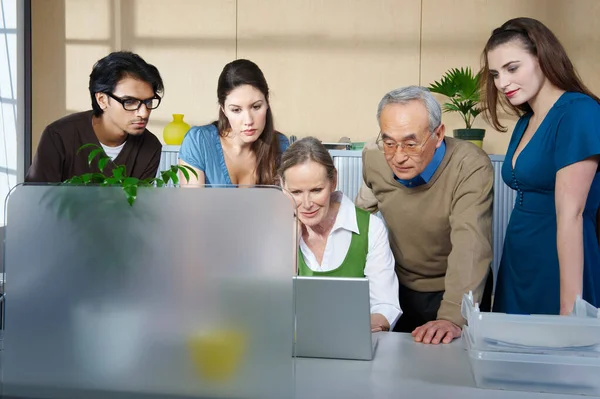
[333, 318]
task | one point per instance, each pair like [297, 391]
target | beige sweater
[440, 232]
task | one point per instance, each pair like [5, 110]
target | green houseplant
[461, 87]
[118, 178]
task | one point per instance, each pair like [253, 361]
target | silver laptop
[333, 318]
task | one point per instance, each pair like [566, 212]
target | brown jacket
[57, 160]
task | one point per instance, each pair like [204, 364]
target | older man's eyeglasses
[409, 147]
[133, 104]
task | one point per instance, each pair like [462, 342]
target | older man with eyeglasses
[435, 194]
[124, 90]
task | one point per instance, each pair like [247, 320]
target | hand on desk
[379, 323]
[436, 331]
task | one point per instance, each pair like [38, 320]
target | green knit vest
[356, 257]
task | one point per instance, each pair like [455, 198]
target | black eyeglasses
[133, 104]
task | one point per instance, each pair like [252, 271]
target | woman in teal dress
[551, 253]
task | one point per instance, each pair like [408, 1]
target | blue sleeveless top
[201, 148]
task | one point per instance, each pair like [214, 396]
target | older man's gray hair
[406, 94]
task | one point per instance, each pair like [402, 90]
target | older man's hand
[436, 331]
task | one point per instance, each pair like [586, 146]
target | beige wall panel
[577, 25]
[80, 61]
[67, 38]
[48, 80]
[454, 34]
[181, 19]
[189, 42]
[88, 19]
[190, 76]
[329, 62]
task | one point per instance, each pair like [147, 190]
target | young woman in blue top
[551, 251]
[242, 147]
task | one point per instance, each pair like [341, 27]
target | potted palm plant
[461, 87]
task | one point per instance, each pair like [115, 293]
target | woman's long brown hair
[266, 147]
[540, 42]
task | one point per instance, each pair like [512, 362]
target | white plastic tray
[533, 372]
[577, 335]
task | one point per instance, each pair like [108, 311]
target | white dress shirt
[383, 282]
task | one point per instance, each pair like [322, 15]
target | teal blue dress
[528, 277]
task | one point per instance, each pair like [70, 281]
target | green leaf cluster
[462, 89]
[119, 178]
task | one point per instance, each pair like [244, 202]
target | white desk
[401, 369]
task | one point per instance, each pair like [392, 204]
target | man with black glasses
[124, 90]
[435, 195]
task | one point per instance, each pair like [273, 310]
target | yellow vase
[175, 130]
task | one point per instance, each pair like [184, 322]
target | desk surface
[401, 368]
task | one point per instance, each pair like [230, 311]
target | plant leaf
[191, 170]
[131, 193]
[166, 176]
[111, 181]
[86, 178]
[158, 182]
[462, 89]
[75, 180]
[93, 155]
[184, 172]
[173, 176]
[88, 145]
[118, 172]
[130, 181]
[98, 178]
[448, 107]
[154, 181]
[475, 112]
[102, 163]
[148, 182]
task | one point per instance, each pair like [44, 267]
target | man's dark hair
[110, 70]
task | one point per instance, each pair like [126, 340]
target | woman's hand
[379, 323]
